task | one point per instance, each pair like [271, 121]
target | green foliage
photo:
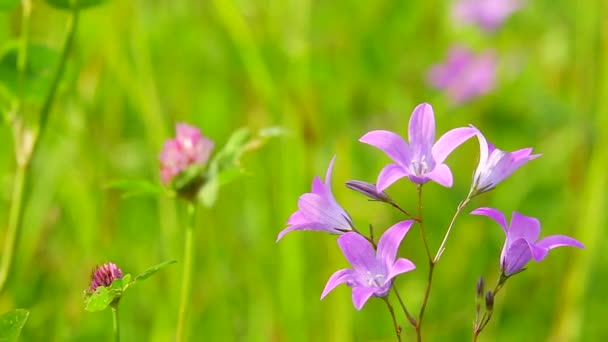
[105, 296]
[136, 187]
[74, 4]
[8, 5]
[37, 72]
[11, 324]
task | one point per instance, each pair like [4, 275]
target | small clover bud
[104, 275]
[479, 288]
[489, 301]
[368, 190]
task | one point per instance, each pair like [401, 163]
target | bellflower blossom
[373, 271]
[520, 245]
[318, 210]
[188, 148]
[464, 75]
[495, 165]
[104, 275]
[487, 14]
[422, 159]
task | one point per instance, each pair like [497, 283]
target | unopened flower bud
[368, 190]
[479, 288]
[489, 301]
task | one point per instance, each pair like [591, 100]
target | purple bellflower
[318, 210]
[368, 190]
[104, 275]
[520, 245]
[464, 75]
[487, 14]
[188, 148]
[495, 165]
[373, 271]
[422, 159]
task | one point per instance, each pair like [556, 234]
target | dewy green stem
[115, 323]
[186, 274]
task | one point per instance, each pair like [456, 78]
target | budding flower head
[104, 275]
[189, 148]
[368, 190]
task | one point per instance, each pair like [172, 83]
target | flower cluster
[420, 159]
[104, 275]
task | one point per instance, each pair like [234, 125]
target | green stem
[461, 206]
[410, 318]
[13, 225]
[395, 324]
[115, 323]
[429, 283]
[186, 274]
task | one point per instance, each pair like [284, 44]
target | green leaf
[207, 195]
[41, 61]
[102, 297]
[73, 4]
[136, 187]
[8, 5]
[11, 324]
[150, 271]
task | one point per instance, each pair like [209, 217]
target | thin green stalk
[13, 225]
[395, 324]
[461, 206]
[115, 323]
[429, 283]
[410, 318]
[186, 274]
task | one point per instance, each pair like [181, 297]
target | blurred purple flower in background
[487, 14]
[464, 75]
[421, 160]
[520, 245]
[104, 275]
[373, 271]
[318, 210]
[495, 165]
[188, 148]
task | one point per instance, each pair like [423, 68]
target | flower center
[375, 280]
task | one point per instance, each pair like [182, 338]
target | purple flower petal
[517, 255]
[361, 295]
[400, 266]
[312, 226]
[525, 227]
[421, 129]
[390, 241]
[389, 175]
[358, 251]
[390, 143]
[449, 141]
[442, 175]
[554, 241]
[494, 214]
[339, 277]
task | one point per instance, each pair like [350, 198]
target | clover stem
[115, 323]
[392, 312]
[461, 206]
[186, 274]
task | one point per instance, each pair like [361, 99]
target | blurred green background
[326, 72]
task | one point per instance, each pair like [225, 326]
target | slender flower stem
[186, 274]
[429, 283]
[392, 311]
[115, 323]
[13, 225]
[461, 206]
[487, 316]
[409, 316]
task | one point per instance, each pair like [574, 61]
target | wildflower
[495, 165]
[464, 75]
[318, 210]
[487, 14]
[188, 148]
[104, 275]
[520, 245]
[373, 271]
[420, 160]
